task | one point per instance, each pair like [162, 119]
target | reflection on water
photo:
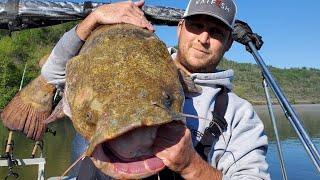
[310, 115]
[297, 162]
[58, 148]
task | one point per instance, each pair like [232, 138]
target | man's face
[202, 43]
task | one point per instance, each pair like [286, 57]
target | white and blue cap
[223, 10]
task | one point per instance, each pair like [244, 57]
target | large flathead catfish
[119, 89]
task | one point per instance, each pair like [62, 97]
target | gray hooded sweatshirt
[239, 153]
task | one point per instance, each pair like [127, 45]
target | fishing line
[193, 117]
[197, 117]
[73, 164]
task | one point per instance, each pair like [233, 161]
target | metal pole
[280, 154]
[287, 108]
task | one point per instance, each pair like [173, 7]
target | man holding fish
[204, 35]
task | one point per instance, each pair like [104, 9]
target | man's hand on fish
[173, 145]
[123, 12]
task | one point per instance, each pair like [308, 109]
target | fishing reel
[11, 164]
[51, 131]
[9, 144]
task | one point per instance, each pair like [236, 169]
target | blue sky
[290, 30]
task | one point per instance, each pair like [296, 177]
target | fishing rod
[9, 156]
[40, 143]
[25, 14]
[243, 34]
[10, 143]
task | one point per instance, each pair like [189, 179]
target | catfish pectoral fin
[14, 114]
[32, 105]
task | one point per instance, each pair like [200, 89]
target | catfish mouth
[140, 165]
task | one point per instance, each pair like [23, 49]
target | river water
[297, 162]
[57, 149]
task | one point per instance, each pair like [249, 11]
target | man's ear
[229, 43]
[180, 24]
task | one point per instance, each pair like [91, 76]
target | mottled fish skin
[114, 82]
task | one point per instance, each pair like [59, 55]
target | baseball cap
[223, 10]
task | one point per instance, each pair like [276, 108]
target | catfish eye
[167, 100]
